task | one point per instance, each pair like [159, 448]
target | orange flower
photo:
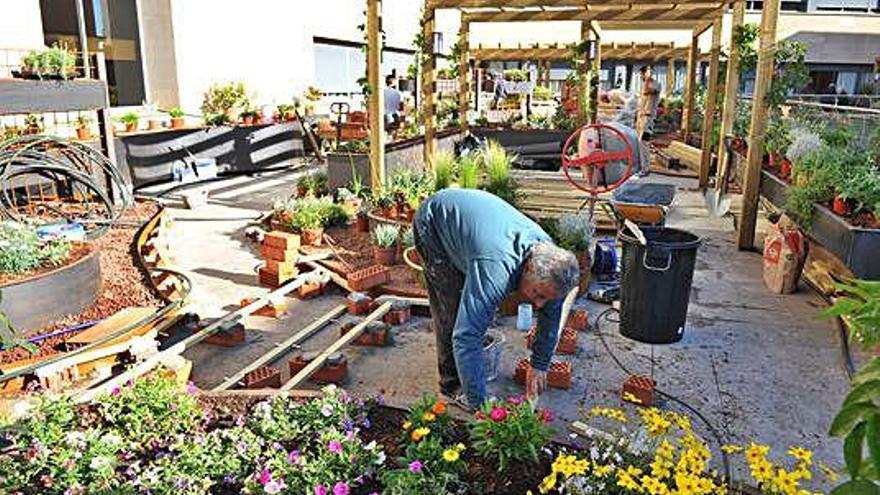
[439, 407]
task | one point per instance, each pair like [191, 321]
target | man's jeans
[445, 283]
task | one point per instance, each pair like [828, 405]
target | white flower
[370, 446]
[327, 410]
[100, 462]
[74, 438]
[380, 458]
[111, 439]
[274, 486]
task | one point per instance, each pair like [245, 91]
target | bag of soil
[785, 251]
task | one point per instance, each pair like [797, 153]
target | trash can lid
[663, 237]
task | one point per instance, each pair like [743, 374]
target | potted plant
[285, 113]
[310, 219]
[385, 244]
[363, 218]
[154, 124]
[247, 117]
[349, 200]
[82, 127]
[777, 141]
[575, 233]
[177, 120]
[304, 186]
[385, 202]
[33, 124]
[224, 103]
[130, 120]
[803, 143]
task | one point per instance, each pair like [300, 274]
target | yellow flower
[602, 471]
[429, 416]
[732, 449]
[762, 471]
[756, 453]
[830, 474]
[459, 447]
[407, 425]
[802, 455]
[626, 481]
[450, 455]
[629, 397]
[654, 486]
[785, 482]
[654, 421]
[548, 483]
[615, 414]
[420, 433]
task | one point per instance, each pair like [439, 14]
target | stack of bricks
[281, 252]
[639, 389]
[334, 369]
[263, 377]
[558, 374]
[567, 341]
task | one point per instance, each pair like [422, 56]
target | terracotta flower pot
[177, 122]
[772, 160]
[390, 212]
[249, 120]
[312, 237]
[131, 126]
[785, 167]
[840, 206]
[301, 191]
[385, 256]
[82, 133]
[363, 223]
[154, 124]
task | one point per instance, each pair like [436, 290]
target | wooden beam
[376, 106]
[350, 336]
[596, 80]
[429, 76]
[584, 76]
[731, 90]
[758, 128]
[689, 88]
[709, 111]
[670, 77]
[640, 51]
[463, 89]
[500, 54]
[509, 4]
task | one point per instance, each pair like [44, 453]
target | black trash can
[655, 284]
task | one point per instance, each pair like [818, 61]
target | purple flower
[415, 467]
[341, 488]
[293, 458]
[366, 423]
[277, 446]
[129, 382]
[229, 479]
[239, 421]
[320, 490]
[350, 436]
[191, 388]
[173, 406]
[335, 446]
[264, 477]
[241, 447]
[116, 391]
[327, 410]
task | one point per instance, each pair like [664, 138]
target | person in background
[477, 249]
[393, 103]
[648, 100]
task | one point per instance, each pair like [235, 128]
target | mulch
[124, 284]
[355, 249]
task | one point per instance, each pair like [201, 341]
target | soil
[124, 284]
[78, 251]
[356, 252]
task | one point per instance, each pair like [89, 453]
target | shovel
[717, 200]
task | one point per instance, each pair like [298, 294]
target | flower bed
[150, 437]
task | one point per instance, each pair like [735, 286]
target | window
[111, 27]
[338, 68]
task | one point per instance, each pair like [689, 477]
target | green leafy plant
[130, 118]
[509, 431]
[385, 235]
[860, 307]
[444, 169]
[803, 143]
[176, 112]
[542, 93]
[778, 137]
[223, 103]
[497, 163]
[837, 136]
[408, 240]
[791, 73]
[516, 75]
[744, 38]
[22, 250]
[58, 61]
[285, 111]
[469, 172]
[575, 232]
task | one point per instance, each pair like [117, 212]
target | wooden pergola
[697, 16]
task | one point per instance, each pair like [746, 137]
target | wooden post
[670, 77]
[731, 90]
[595, 89]
[689, 88]
[711, 98]
[478, 83]
[584, 76]
[758, 128]
[428, 83]
[463, 92]
[376, 106]
[105, 126]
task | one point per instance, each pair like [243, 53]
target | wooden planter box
[19, 96]
[856, 247]
[536, 149]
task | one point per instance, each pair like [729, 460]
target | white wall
[21, 26]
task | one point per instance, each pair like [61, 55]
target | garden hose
[725, 460]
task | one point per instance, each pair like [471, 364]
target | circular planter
[33, 303]
[385, 256]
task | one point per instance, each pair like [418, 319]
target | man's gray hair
[554, 265]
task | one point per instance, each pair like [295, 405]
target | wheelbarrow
[642, 203]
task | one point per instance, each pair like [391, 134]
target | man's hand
[536, 382]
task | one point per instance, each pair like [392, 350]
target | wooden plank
[376, 106]
[758, 128]
[709, 111]
[463, 89]
[689, 88]
[685, 153]
[463, 4]
[584, 76]
[21, 96]
[428, 82]
[731, 89]
[118, 321]
[670, 76]
[350, 336]
[284, 346]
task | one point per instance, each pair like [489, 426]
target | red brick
[282, 240]
[277, 254]
[329, 373]
[522, 367]
[310, 290]
[272, 280]
[641, 387]
[367, 278]
[567, 342]
[398, 315]
[559, 375]
[231, 337]
[375, 335]
[579, 320]
[271, 309]
[358, 303]
[284, 268]
[263, 377]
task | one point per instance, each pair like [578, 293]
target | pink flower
[191, 388]
[335, 446]
[480, 415]
[265, 476]
[415, 467]
[320, 490]
[498, 414]
[340, 488]
[547, 416]
[515, 401]
[293, 458]
[274, 487]
[116, 391]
